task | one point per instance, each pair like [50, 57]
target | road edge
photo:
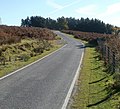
[10, 74]
[64, 106]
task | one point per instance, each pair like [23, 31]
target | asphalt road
[43, 85]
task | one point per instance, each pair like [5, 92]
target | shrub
[14, 34]
[24, 57]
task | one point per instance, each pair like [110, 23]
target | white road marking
[30, 64]
[64, 106]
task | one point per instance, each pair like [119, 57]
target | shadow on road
[80, 46]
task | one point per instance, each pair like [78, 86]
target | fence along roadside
[109, 56]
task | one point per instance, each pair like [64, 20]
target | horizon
[13, 12]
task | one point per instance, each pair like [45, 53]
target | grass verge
[72, 36]
[91, 86]
[93, 89]
[14, 65]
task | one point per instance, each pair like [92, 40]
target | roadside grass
[83, 41]
[71, 36]
[93, 88]
[91, 92]
[14, 65]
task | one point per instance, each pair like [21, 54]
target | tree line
[62, 23]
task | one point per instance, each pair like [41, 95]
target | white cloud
[111, 10]
[114, 8]
[87, 10]
[111, 14]
[53, 4]
[61, 7]
[72, 3]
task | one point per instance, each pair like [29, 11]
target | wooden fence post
[108, 54]
[113, 62]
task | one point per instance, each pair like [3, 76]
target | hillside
[22, 45]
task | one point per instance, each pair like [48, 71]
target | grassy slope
[13, 65]
[91, 91]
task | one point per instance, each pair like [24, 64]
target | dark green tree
[85, 25]
[62, 23]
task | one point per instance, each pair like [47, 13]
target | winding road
[45, 84]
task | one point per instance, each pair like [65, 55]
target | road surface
[43, 85]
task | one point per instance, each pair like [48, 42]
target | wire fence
[109, 56]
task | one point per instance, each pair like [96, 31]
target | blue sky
[12, 11]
